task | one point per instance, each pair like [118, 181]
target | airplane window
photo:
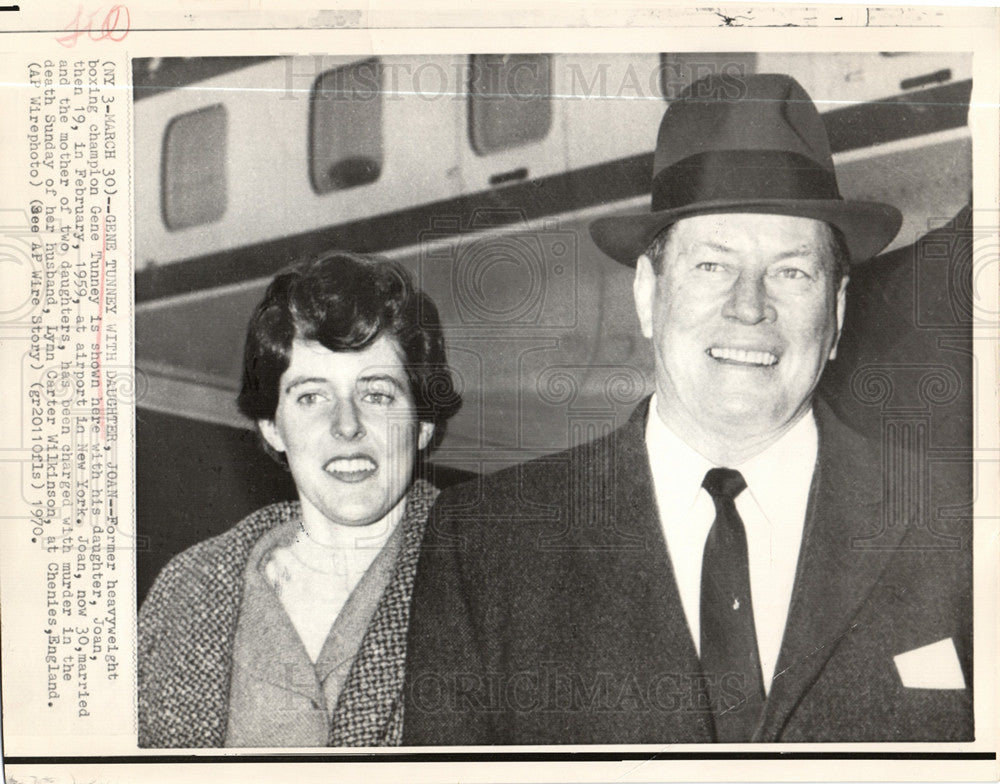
[345, 127]
[510, 100]
[194, 168]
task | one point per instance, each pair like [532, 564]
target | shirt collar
[679, 469]
[785, 467]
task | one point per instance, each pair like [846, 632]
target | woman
[290, 628]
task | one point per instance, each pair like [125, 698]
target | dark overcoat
[546, 611]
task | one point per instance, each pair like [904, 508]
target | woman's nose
[347, 422]
[749, 301]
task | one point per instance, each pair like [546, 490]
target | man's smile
[740, 356]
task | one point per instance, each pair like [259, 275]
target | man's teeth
[351, 465]
[765, 358]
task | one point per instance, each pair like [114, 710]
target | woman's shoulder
[218, 562]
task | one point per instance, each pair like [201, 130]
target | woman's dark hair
[345, 301]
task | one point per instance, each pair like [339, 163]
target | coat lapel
[836, 572]
[186, 629]
[225, 595]
[368, 710]
[648, 593]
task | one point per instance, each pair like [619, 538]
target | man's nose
[749, 301]
[347, 422]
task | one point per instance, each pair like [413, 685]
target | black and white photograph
[575, 392]
[554, 399]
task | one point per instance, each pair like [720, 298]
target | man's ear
[270, 433]
[644, 292]
[841, 310]
[425, 435]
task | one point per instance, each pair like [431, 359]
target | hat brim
[868, 226]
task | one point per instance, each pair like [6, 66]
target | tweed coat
[545, 610]
[187, 626]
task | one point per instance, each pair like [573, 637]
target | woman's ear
[425, 435]
[269, 432]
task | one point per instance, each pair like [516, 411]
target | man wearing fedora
[707, 572]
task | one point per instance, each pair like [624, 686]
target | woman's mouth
[351, 469]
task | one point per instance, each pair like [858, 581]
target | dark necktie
[729, 656]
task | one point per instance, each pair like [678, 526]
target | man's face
[743, 315]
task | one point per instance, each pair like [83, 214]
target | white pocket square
[933, 666]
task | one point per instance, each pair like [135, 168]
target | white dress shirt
[773, 509]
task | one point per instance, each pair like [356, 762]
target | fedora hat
[758, 147]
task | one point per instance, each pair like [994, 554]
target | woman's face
[347, 424]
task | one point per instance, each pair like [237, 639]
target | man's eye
[792, 273]
[709, 266]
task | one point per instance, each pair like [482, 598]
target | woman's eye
[308, 398]
[378, 398]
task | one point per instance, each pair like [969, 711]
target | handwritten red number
[70, 39]
[110, 26]
[116, 25]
